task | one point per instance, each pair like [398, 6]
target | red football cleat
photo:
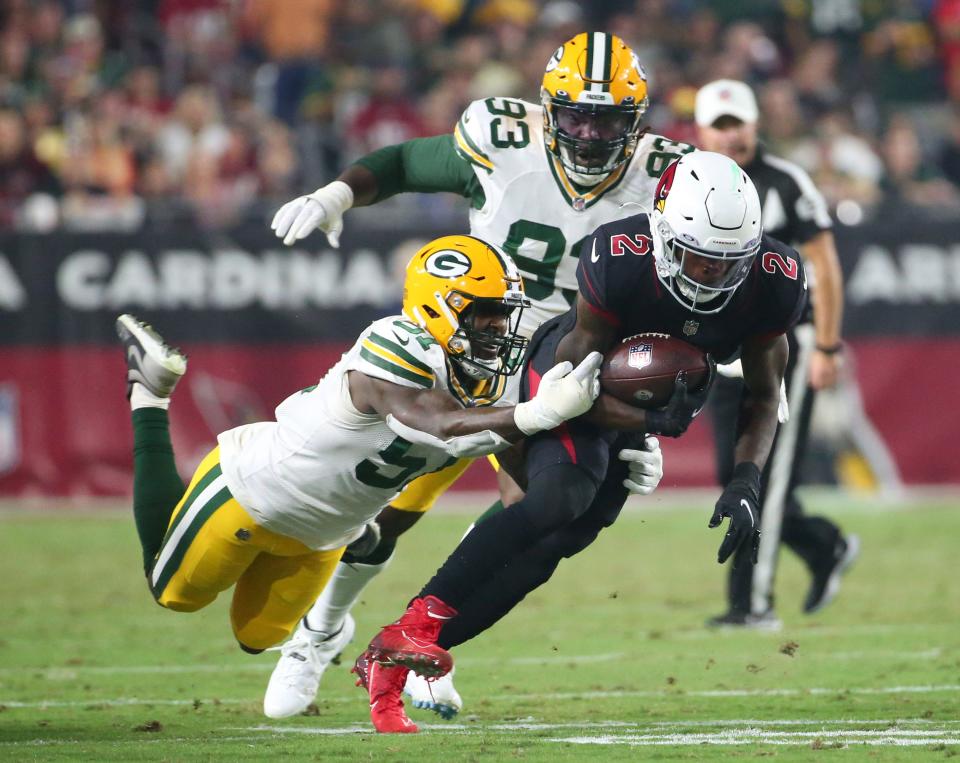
[411, 641]
[385, 685]
[361, 668]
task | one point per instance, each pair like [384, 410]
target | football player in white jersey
[271, 508]
[540, 178]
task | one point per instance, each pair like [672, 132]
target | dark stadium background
[145, 146]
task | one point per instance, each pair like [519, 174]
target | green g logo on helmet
[447, 263]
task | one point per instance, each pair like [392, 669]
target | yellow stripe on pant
[420, 495]
[212, 543]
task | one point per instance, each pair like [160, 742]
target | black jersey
[618, 278]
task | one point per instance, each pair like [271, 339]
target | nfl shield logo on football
[690, 327]
[640, 355]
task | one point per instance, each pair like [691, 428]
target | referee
[796, 213]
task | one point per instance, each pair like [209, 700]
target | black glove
[740, 501]
[683, 406]
[366, 543]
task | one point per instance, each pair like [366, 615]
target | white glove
[783, 408]
[646, 467]
[321, 209]
[732, 370]
[563, 394]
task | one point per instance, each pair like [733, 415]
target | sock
[141, 397]
[157, 487]
[326, 616]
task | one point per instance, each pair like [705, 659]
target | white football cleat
[439, 694]
[296, 679]
[150, 360]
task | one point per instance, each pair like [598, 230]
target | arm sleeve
[424, 165]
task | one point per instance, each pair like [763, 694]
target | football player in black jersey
[794, 211]
[698, 267]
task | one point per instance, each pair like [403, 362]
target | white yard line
[737, 738]
[537, 696]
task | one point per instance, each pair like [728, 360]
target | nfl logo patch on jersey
[640, 355]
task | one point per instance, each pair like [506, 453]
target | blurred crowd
[118, 114]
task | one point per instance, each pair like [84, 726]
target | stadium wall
[260, 321]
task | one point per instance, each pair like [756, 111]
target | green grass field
[608, 660]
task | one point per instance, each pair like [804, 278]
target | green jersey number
[665, 151]
[423, 338]
[519, 135]
[395, 454]
[539, 274]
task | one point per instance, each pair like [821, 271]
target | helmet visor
[488, 334]
[592, 139]
[703, 276]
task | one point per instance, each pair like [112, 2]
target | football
[642, 369]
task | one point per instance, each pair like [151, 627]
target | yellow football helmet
[453, 280]
[594, 95]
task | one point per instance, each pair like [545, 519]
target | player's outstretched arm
[435, 418]
[323, 209]
[764, 363]
[427, 165]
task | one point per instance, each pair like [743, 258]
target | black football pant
[813, 539]
[574, 489]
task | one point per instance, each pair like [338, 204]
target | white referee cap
[725, 97]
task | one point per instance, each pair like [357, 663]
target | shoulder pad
[491, 125]
[399, 351]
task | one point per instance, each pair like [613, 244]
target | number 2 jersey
[323, 469]
[618, 278]
[521, 200]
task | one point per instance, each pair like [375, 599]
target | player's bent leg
[153, 370]
[277, 589]
[201, 554]
[320, 638]
[528, 571]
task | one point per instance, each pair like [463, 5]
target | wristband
[831, 349]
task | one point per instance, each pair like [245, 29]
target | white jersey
[323, 469]
[532, 210]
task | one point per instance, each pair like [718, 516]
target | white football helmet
[706, 229]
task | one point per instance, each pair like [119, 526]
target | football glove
[645, 465]
[564, 393]
[683, 406]
[321, 209]
[740, 501]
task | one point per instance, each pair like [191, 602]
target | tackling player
[270, 510]
[699, 267]
[540, 178]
